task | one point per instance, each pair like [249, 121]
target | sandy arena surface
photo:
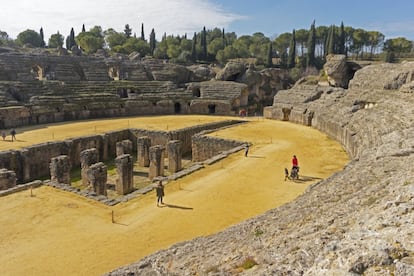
[59, 233]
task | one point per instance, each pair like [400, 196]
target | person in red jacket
[295, 163]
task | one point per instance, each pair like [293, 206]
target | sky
[179, 17]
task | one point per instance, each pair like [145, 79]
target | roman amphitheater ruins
[353, 216]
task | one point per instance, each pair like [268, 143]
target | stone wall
[205, 147]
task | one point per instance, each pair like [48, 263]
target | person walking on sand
[3, 135]
[13, 134]
[246, 150]
[160, 193]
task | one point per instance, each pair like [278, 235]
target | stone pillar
[87, 158]
[174, 155]
[7, 179]
[143, 145]
[123, 147]
[60, 169]
[97, 176]
[156, 156]
[124, 168]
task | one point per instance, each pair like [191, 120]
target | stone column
[156, 156]
[174, 155]
[97, 176]
[87, 158]
[124, 168]
[7, 179]
[123, 147]
[143, 145]
[60, 169]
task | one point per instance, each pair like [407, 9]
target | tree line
[302, 48]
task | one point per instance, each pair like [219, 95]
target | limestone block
[7, 179]
[60, 169]
[97, 176]
[174, 149]
[156, 156]
[124, 167]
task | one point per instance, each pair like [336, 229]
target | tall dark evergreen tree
[71, 40]
[223, 36]
[269, 61]
[152, 42]
[194, 48]
[83, 28]
[330, 49]
[127, 31]
[42, 43]
[204, 43]
[292, 51]
[142, 32]
[310, 55]
[341, 39]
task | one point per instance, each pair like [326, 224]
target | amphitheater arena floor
[59, 233]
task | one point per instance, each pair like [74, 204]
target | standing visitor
[3, 134]
[160, 193]
[13, 134]
[246, 150]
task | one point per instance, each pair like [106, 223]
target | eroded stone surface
[358, 221]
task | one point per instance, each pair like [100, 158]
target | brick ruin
[153, 149]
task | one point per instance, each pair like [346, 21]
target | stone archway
[177, 108]
[38, 72]
[211, 108]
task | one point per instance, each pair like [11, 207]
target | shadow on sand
[175, 206]
[304, 178]
[255, 156]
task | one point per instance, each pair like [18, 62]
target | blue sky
[271, 17]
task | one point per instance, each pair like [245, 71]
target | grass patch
[248, 263]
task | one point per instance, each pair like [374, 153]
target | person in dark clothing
[13, 134]
[286, 174]
[246, 150]
[160, 193]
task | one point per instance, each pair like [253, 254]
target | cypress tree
[269, 62]
[204, 43]
[194, 48]
[331, 41]
[310, 55]
[292, 51]
[72, 41]
[341, 40]
[224, 39]
[142, 32]
[42, 42]
[152, 42]
[83, 28]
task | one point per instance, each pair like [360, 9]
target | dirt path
[58, 233]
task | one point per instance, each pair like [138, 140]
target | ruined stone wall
[205, 147]
[32, 162]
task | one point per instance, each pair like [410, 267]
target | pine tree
[269, 62]
[341, 40]
[142, 32]
[127, 31]
[194, 48]
[42, 43]
[292, 51]
[310, 55]
[152, 42]
[83, 28]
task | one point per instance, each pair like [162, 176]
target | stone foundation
[60, 169]
[156, 155]
[97, 176]
[87, 158]
[174, 156]
[124, 167]
[123, 147]
[143, 145]
[7, 179]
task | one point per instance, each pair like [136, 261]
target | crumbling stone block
[87, 158]
[7, 179]
[156, 155]
[97, 176]
[174, 150]
[123, 147]
[124, 167]
[143, 145]
[60, 169]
